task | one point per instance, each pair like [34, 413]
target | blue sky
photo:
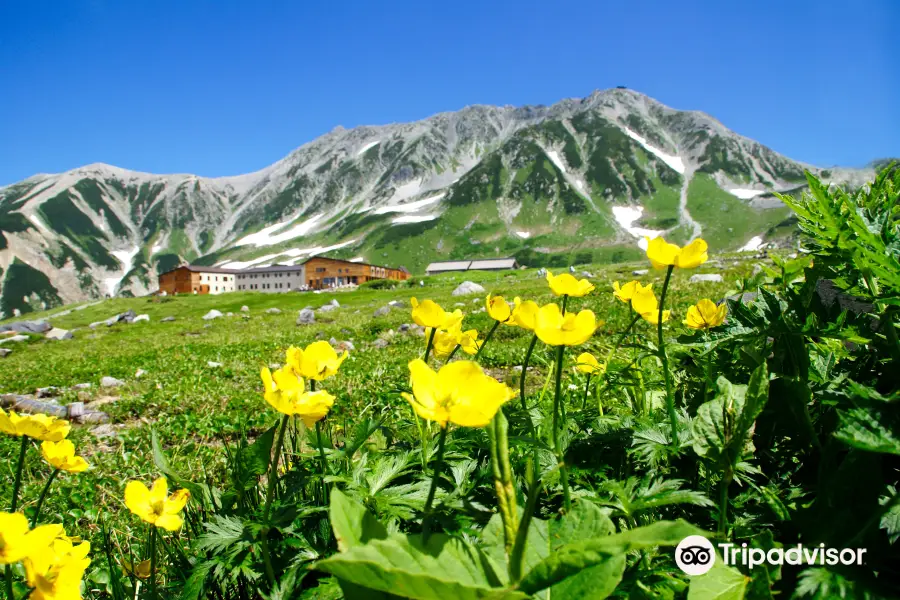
[222, 88]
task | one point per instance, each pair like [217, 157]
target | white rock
[327, 308]
[141, 318]
[335, 303]
[468, 287]
[58, 334]
[82, 386]
[245, 309]
[273, 311]
[711, 277]
[640, 272]
[111, 382]
[15, 338]
[4, 352]
[213, 314]
[167, 319]
[213, 364]
[306, 317]
[139, 373]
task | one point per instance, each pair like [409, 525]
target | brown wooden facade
[322, 272]
[189, 279]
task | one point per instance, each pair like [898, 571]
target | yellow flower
[566, 285]
[155, 506]
[445, 342]
[663, 254]
[140, 570]
[524, 313]
[286, 393]
[556, 329]
[17, 542]
[459, 393]
[56, 573]
[705, 315]
[626, 292]
[61, 455]
[498, 309]
[40, 427]
[429, 313]
[588, 363]
[318, 361]
[644, 303]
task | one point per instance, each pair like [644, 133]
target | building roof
[271, 269]
[203, 269]
[494, 263]
[350, 262]
[449, 265]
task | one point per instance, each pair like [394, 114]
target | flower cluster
[286, 389]
[54, 564]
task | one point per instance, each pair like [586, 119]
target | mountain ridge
[575, 181]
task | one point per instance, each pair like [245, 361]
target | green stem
[564, 474]
[273, 476]
[452, 354]
[18, 482]
[438, 465]
[534, 340]
[891, 333]
[153, 593]
[670, 398]
[619, 341]
[517, 558]
[487, 338]
[15, 499]
[40, 502]
[322, 460]
[707, 369]
[723, 506]
[430, 344]
[565, 301]
[587, 387]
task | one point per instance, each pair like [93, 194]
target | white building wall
[271, 283]
[218, 283]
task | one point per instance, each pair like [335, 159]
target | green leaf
[723, 428]
[198, 491]
[719, 583]
[585, 521]
[353, 525]
[570, 559]
[537, 545]
[443, 567]
[869, 428]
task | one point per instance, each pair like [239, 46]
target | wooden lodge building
[315, 273]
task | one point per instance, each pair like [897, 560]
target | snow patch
[358, 259]
[673, 161]
[523, 234]
[294, 255]
[367, 146]
[264, 237]
[39, 224]
[626, 216]
[580, 184]
[412, 219]
[753, 245]
[554, 156]
[409, 206]
[125, 257]
[746, 194]
[407, 190]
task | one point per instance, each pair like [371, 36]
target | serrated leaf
[869, 429]
[721, 582]
[443, 567]
[353, 525]
[570, 559]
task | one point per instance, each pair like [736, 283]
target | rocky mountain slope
[578, 181]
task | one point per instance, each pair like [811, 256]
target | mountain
[575, 182]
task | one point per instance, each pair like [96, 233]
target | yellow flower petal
[663, 254]
[566, 285]
[705, 315]
[556, 329]
[587, 363]
[497, 308]
[525, 313]
[692, 255]
[459, 393]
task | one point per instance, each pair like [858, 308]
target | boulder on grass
[708, 277]
[306, 317]
[468, 287]
[58, 334]
[213, 314]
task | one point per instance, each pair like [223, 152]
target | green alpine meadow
[690, 390]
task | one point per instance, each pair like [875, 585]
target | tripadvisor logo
[695, 555]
